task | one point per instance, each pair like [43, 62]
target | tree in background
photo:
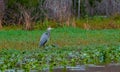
[96, 7]
[28, 12]
[59, 10]
[24, 12]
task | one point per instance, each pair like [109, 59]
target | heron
[45, 37]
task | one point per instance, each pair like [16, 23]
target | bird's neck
[48, 32]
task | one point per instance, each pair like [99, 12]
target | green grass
[20, 39]
[74, 46]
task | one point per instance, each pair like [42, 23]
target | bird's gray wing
[43, 39]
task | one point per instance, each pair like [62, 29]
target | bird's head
[49, 28]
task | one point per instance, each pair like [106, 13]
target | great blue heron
[45, 37]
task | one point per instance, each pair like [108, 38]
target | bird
[45, 37]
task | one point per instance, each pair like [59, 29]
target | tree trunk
[87, 7]
[106, 8]
[2, 7]
[75, 6]
[79, 8]
[0, 24]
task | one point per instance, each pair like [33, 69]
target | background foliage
[38, 12]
